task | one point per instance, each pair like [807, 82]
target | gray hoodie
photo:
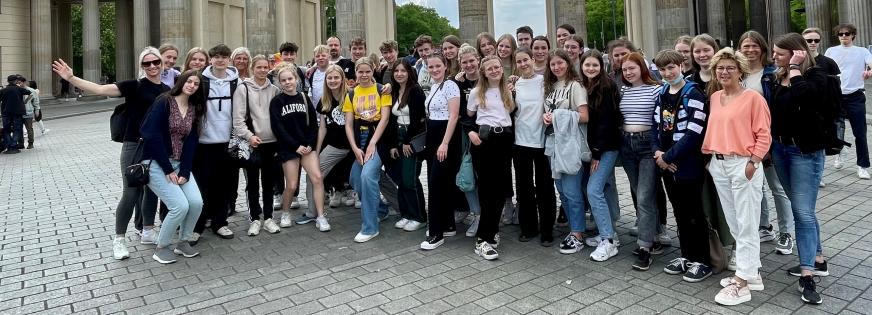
[259, 98]
[218, 124]
[567, 147]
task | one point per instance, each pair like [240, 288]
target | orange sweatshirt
[740, 128]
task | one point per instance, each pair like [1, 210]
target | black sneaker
[809, 291]
[570, 245]
[546, 242]
[677, 266]
[820, 269]
[643, 260]
[524, 238]
[432, 242]
[697, 272]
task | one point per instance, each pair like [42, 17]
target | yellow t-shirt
[367, 103]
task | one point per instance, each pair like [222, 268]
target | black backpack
[830, 113]
[205, 87]
[118, 123]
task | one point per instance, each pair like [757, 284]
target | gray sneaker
[164, 255]
[185, 249]
[784, 246]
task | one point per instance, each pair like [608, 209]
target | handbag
[717, 254]
[419, 142]
[465, 179]
[238, 147]
[137, 173]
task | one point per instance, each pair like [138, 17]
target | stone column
[779, 17]
[40, 44]
[758, 16]
[260, 16]
[737, 22]
[91, 40]
[63, 43]
[124, 57]
[858, 12]
[673, 20]
[350, 23]
[141, 30]
[641, 25]
[175, 26]
[717, 19]
[473, 19]
[572, 12]
[198, 33]
[818, 14]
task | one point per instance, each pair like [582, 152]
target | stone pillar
[473, 19]
[818, 14]
[40, 44]
[641, 26]
[198, 33]
[63, 39]
[572, 12]
[858, 12]
[350, 23]
[141, 30]
[260, 16]
[779, 17]
[673, 20]
[175, 26]
[124, 57]
[758, 16]
[717, 19]
[91, 40]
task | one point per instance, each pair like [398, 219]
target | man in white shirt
[855, 64]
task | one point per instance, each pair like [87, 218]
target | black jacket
[417, 119]
[155, 133]
[798, 111]
[12, 100]
[604, 123]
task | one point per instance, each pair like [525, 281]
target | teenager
[139, 95]
[466, 80]
[169, 53]
[676, 137]
[424, 48]
[703, 48]
[563, 32]
[618, 50]
[524, 36]
[169, 138]
[541, 47]
[812, 36]
[604, 137]
[241, 59]
[738, 137]
[388, 51]
[682, 46]
[798, 150]
[574, 47]
[450, 46]
[535, 187]
[366, 116]
[404, 166]
[506, 48]
[486, 44]
[196, 59]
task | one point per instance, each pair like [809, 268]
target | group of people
[20, 110]
[700, 126]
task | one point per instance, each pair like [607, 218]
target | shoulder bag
[239, 148]
[137, 173]
[465, 179]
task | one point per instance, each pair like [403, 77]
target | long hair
[327, 96]
[370, 61]
[466, 49]
[729, 54]
[411, 82]
[484, 84]
[191, 53]
[793, 42]
[197, 100]
[484, 36]
[704, 39]
[638, 59]
[453, 64]
[600, 84]
[551, 78]
[145, 52]
[765, 54]
[511, 58]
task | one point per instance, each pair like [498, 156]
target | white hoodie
[218, 123]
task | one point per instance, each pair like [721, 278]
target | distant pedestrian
[12, 109]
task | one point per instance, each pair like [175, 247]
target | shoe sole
[751, 286]
[252, 234]
[643, 268]
[692, 280]
[121, 258]
[486, 257]
[673, 272]
[428, 246]
[741, 300]
[178, 252]
[570, 251]
[146, 242]
[814, 272]
[162, 261]
[783, 251]
[367, 239]
[324, 230]
[417, 228]
[767, 239]
[304, 222]
[807, 301]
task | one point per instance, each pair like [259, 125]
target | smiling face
[197, 62]
[364, 74]
[813, 40]
[591, 67]
[469, 63]
[727, 71]
[632, 73]
[562, 35]
[781, 56]
[169, 58]
[241, 61]
[333, 79]
[261, 69]
[436, 68]
[288, 81]
[486, 47]
[151, 64]
[335, 47]
[618, 54]
[702, 54]
[357, 52]
[219, 63]
[493, 70]
[449, 50]
[401, 74]
[751, 50]
[191, 85]
[572, 48]
[504, 49]
[540, 50]
[289, 56]
[524, 63]
[390, 55]
[558, 67]
[524, 40]
[684, 50]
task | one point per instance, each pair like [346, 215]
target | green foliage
[107, 38]
[797, 19]
[329, 18]
[414, 20]
[599, 22]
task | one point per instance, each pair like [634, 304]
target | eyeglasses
[813, 40]
[155, 63]
[845, 34]
[727, 69]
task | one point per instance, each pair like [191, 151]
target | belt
[498, 129]
[635, 134]
[785, 140]
[727, 156]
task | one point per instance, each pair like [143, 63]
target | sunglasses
[845, 34]
[155, 63]
[813, 40]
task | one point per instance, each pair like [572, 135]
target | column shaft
[350, 23]
[175, 27]
[40, 47]
[141, 22]
[717, 19]
[779, 17]
[858, 12]
[123, 40]
[91, 40]
[572, 12]
[473, 19]
[818, 14]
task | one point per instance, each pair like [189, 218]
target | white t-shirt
[437, 102]
[494, 113]
[401, 113]
[560, 96]
[753, 81]
[317, 85]
[852, 62]
[530, 100]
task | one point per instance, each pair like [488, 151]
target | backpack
[830, 114]
[204, 85]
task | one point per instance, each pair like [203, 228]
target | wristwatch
[755, 164]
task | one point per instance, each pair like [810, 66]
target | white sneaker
[348, 197]
[486, 250]
[119, 249]
[295, 204]
[147, 237]
[731, 266]
[732, 294]
[224, 232]
[755, 284]
[837, 162]
[360, 237]
[45, 131]
[254, 228]
[270, 226]
[604, 250]
[335, 199]
[594, 241]
[473, 228]
[863, 172]
[356, 200]
[401, 223]
[286, 220]
[413, 226]
[322, 224]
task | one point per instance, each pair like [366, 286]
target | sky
[508, 14]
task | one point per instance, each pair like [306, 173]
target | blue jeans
[572, 199]
[472, 200]
[782, 203]
[597, 191]
[365, 180]
[183, 201]
[637, 156]
[854, 109]
[800, 174]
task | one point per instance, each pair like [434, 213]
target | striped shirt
[637, 104]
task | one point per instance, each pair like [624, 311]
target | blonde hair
[484, 84]
[321, 49]
[466, 49]
[145, 52]
[370, 61]
[723, 55]
[285, 67]
[327, 97]
[255, 59]
[191, 54]
[238, 51]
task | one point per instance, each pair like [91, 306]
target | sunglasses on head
[155, 63]
[845, 34]
[813, 40]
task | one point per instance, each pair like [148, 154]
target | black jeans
[216, 172]
[536, 199]
[444, 195]
[410, 192]
[854, 109]
[264, 172]
[13, 126]
[686, 198]
[492, 160]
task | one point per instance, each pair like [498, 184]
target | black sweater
[604, 123]
[292, 119]
[798, 111]
[158, 146]
[417, 119]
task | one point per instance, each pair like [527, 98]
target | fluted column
[673, 20]
[350, 23]
[141, 22]
[858, 12]
[717, 19]
[40, 44]
[175, 26]
[91, 40]
[818, 14]
[572, 12]
[123, 40]
[473, 18]
[779, 17]
[260, 16]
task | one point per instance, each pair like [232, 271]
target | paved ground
[56, 257]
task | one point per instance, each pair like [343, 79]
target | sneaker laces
[783, 239]
[809, 282]
[693, 267]
[732, 289]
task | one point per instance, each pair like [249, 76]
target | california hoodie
[218, 122]
[259, 98]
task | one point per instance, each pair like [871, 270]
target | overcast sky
[508, 14]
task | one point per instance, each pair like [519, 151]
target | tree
[107, 38]
[414, 20]
[599, 22]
